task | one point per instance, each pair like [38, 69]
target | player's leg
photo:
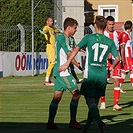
[50, 51]
[124, 72]
[73, 88]
[73, 110]
[131, 77]
[53, 109]
[102, 98]
[59, 87]
[116, 78]
[103, 105]
[93, 113]
[92, 96]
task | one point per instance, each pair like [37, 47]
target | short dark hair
[128, 24]
[100, 22]
[69, 22]
[48, 18]
[110, 18]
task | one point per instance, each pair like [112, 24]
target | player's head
[128, 25]
[70, 25]
[49, 21]
[110, 23]
[100, 22]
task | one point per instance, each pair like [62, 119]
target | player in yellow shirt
[49, 33]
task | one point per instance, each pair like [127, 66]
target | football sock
[102, 98]
[131, 78]
[93, 110]
[73, 109]
[89, 120]
[47, 79]
[74, 74]
[122, 78]
[116, 95]
[52, 111]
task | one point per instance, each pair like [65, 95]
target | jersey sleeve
[45, 28]
[61, 40]
[119, 37]
[56, 31]
[124, 38]
[83, 42]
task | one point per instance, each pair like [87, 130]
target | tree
[14, 12]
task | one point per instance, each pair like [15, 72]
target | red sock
[122, 78]
[102, 99]
[116, 95]
[131, 78]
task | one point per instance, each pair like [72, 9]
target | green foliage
[19, 11]
[14, 12]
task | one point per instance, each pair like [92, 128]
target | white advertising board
[20, 64]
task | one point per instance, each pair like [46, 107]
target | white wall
[74, 9]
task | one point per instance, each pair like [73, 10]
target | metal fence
[18, 38]
[12, 40]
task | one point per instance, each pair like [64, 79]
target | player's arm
[71, 56]
[116, 61]
[82, 43]
[116, 55]
[57, 31]
[122, 47]
[122, 53]
[43, 31]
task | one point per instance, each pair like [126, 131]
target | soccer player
[98, 46]
[49, 33]
[64, 80]
[128, 52]
[116, 37]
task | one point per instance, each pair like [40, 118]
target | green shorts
[64, 83]
[93, 88]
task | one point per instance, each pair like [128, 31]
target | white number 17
[95, 47]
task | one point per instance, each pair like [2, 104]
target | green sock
[89, 120]
[93, 110]
[52, 111]
[74, 74]
[73, 109]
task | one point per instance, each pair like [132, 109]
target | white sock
[47, 79]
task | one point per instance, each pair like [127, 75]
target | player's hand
[80, 68]
[63, 67]
[76, 93]
[42, 32]
[111, 69]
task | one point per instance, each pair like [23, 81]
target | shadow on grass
[14, 127]
[124, 105]
[115, 126]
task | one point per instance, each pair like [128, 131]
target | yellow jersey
[50, 35]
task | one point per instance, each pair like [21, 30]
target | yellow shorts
[50, 51]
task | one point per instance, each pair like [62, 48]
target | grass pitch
[24, 103]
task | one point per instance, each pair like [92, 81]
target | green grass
[25, 102]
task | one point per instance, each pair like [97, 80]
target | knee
[76, 94]
[57, 98]
[92, 106]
